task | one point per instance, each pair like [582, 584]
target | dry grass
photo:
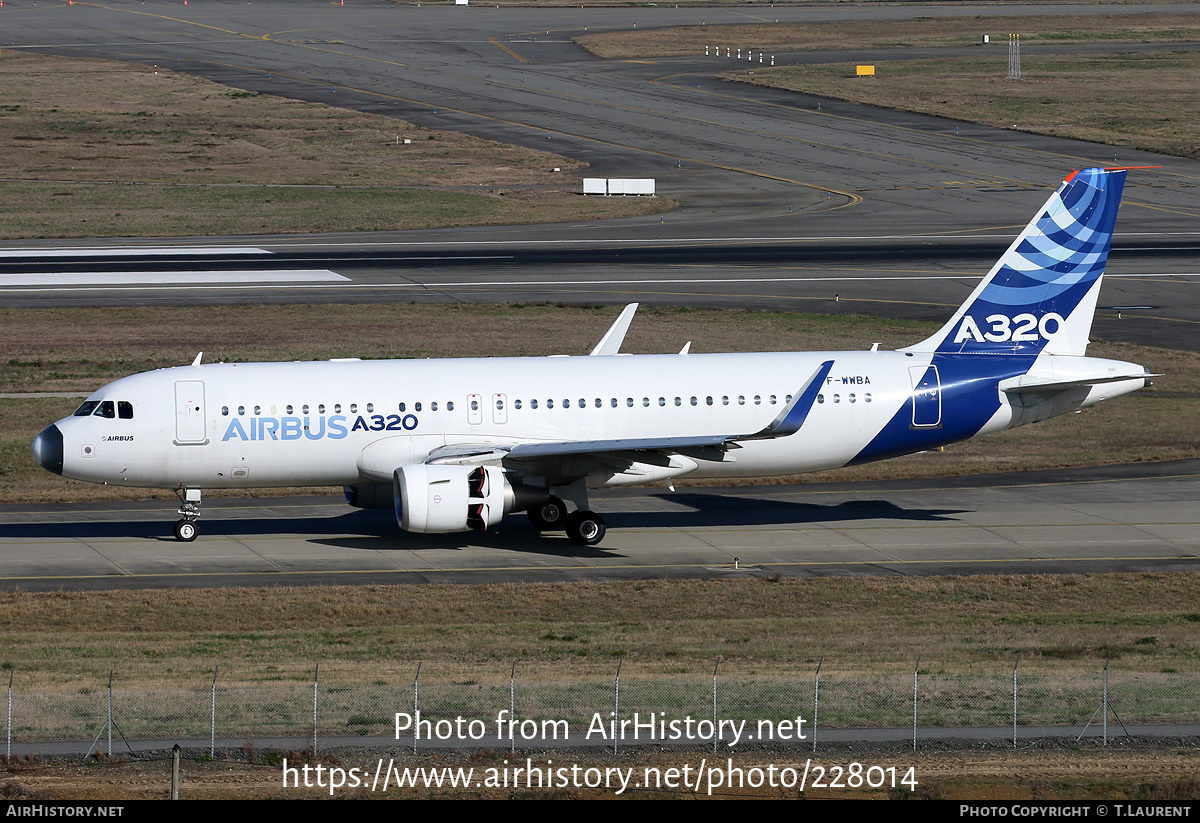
[1146, 622]
[896, 34]
[1151, 101]
[96, 148]
[80, 349]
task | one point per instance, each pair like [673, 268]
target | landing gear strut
[185, 529]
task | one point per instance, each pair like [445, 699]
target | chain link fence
[422, 709]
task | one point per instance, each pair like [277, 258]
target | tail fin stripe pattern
[1044, 277]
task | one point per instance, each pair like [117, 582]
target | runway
[1150, 293]
[1131, 518]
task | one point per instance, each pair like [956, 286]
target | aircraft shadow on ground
[376, 530]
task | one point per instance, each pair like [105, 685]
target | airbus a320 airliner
[455, 445]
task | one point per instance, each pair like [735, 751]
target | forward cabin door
[190, 426]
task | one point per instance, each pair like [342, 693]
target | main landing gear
[583, 528]
[185, 529]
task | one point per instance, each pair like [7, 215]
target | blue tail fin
[1041, 295]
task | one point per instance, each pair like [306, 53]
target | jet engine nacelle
[434, 499]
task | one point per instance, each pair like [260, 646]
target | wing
[642, 458]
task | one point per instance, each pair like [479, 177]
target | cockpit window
[106, 409]
[124, 410]
[87, 408]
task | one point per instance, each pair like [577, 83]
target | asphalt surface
[1133, 518]
[786, 200]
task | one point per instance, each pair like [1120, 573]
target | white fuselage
[352, 422]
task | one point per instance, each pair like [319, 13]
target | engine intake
[438, 499]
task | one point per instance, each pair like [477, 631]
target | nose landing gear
[189, 509]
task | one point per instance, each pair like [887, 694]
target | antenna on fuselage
[199, 357]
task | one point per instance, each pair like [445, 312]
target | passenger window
[820, 398]
[708, 400]
[533, 404]
[354, 408]
[837, 399]
[550, 404]
[613, 402]
[693, 399]
[450, 405]
[772, 400]
[258, 409]
[867, 397]
[337, 408]
[629, 402]
[371, 408]
[321, 409]
[725, 400]
[646, 402]
[289, 408]
[850, 397]
[516, 404]
[416, 406]
[662, 401]
[599, 402]
[241, 411]
[757, 400]
[582, 403]
[125, 410]
[224, 411]
[432, 406]
[678, 401]
[741, 399]
[566, 403]
[305, 408]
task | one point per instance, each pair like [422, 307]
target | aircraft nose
[48, 449]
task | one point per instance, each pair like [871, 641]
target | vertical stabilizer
[1041, 295]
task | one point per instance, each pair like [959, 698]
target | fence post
[1105, 703]
[1015, 665]
[816, 700]
[916, 670]
[617, 700]
[110, 679]
[512, 704]
[416, 700]
[716, 733]
[316, 679]
[212, 725]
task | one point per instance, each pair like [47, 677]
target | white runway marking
[310, 280]
[129, 251]
[151, 278]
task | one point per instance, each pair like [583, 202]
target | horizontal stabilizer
[1032, 385]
